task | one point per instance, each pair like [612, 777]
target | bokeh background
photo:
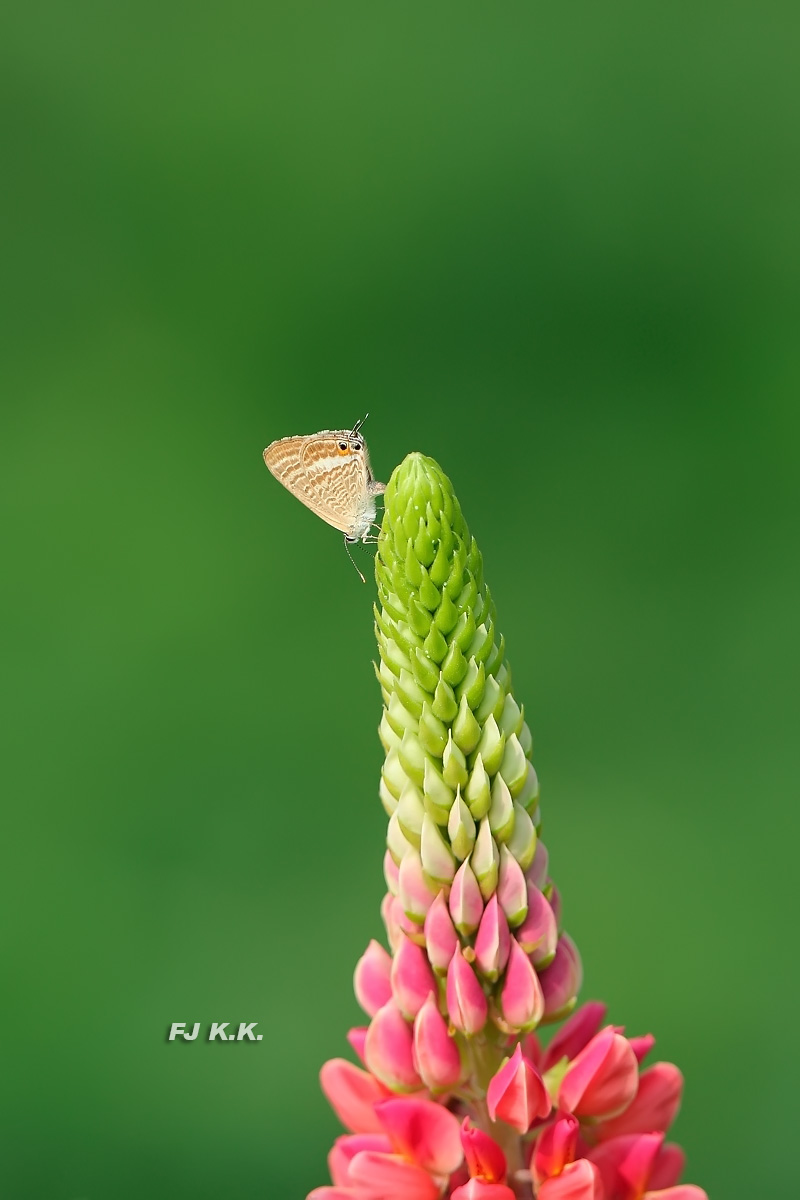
[558, 251]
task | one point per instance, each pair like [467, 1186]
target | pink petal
[668, 1167]
[642, 1046]
[556, 1146]
[334, 1193]
[345, 1148]
[684, 1191]
[574, 1034]
[625, 1163]
[425, 1132]
[479, 1189]
[578, 1181]
[357, 1037]
[517, 1094]
[484, 1157]
[655, 1105]
[389, 1177]
[389, 1049]
[352, 1094]
[602, 1079]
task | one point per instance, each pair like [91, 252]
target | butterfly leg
[347, 542]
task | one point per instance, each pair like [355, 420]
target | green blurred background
[557, 251]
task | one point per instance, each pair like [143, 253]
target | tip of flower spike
[419, 480]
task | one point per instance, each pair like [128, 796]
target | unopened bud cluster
[471, 915]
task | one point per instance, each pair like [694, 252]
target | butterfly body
[330, 473]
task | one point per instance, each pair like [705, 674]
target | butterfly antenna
[358, 424]
[352, 560]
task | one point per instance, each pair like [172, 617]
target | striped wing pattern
[335, 486]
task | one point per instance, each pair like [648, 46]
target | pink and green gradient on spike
[456, 1096]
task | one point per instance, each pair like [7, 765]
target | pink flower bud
[517, 1094]
[603, 1079]
[512, 890]
[411, 978]
[561, 981]
[537, 871]
[416, 894]
[466, 1002]
[655, 1105]
[423, 1131]
[371, 979]
[521, 998]
[466, 901]
[441, 938]
[538, 933]
[390, 905]
[493, 941]
[575, 1033]
[484, 1157]
[556, 1146]
[578, 1181]
[436, 1054]
[352, 1094]
[357, 1037]
[405, 925]
[389, 1050]
[391, 873]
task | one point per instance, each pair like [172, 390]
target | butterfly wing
[331, 484]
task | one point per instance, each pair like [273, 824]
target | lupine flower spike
[456, 1096]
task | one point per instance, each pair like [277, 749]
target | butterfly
[330, 473]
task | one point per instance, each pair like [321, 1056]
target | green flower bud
[454, 764]
[514, 767]
[490, 747]
[522, 842]
[412, 757]
[433, 734]
[478, 790]
[438, 796]
[410, 812]
[394, 776]
[501, 810]
[485, 860]
[466, 730]
[438, 862]
[461, 828]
